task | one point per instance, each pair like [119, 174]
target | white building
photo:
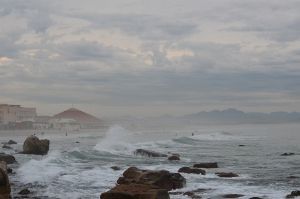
[64, 124]
[16, 113]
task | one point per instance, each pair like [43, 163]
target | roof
[78, 116]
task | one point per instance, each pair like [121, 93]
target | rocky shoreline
[135, 183]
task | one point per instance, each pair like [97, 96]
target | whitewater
[79, 165]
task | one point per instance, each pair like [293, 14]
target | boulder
[8, 159]
[207, 165]
[293, 194]
[24, 192]
[192, 170]
[5, 146]
[232, 195]
[227, 174]
[163, 179]
[174, 157]
[115, 168]
[149, 153]
[33, 145]
[11, 142]
[5, 189]
[288, 154]
[135, 191]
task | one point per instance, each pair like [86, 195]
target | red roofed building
[84, 119]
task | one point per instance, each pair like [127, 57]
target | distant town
[17, 117]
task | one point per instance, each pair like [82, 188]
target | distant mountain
[234, 116]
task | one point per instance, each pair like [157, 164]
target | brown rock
[33, 145]
[191, 170]
[136, 191]
[4, 182]
[163, 179]
[208, 165]
[227, 175]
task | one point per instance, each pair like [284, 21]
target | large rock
[208, 165]
[227, 174]
[136, 191]
[8, 159]
[174, 157]
[149, 153]
[191, 170]
[163, 179]
[11, 142]
[294, 194]
[4, 182]
[33, 145]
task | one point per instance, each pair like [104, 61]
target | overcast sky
[150, 57]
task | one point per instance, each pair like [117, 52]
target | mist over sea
[79, 165]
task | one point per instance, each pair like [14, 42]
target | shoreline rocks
[8, 159]
[145, 184]
[207, 165]
[149, 153]
[135, 191]
[227, 174]
[294, 194]
[33, 145]
[174, 157]
[190, 170]
[5, 189]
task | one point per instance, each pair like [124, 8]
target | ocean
[79, 165]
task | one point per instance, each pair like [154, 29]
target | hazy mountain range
[227, 116]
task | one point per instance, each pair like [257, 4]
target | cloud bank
[150, 57]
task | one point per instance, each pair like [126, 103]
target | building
[64, 124]
[16, 114]
[42, 122]
[85, 120]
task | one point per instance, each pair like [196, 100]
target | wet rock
[293, 177]
[33, 145]
[192, 170]
[136, 191]
[24, 192]
[287, 154]
[5, 189]
[208, 165]
[9, 170]
[293, 194]
[174, 157]
[149, 153]
[227, 174]
[11, 142]
[116, 168]
[8, 159]
[232, 195]
[163, 179]
[6, 147]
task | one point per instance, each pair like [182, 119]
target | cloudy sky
[142, 57]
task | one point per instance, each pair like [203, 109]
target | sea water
[78, 165]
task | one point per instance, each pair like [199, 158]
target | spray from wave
[116, 140]
[41, 171]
